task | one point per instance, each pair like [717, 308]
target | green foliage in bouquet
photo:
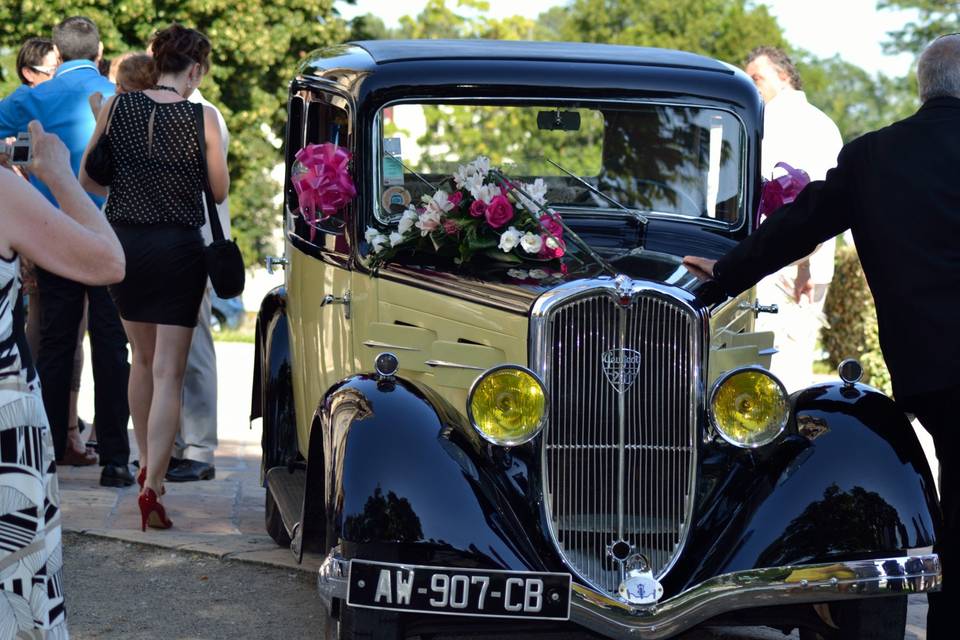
[852, 332]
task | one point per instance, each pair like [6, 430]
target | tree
[934, 18]
[722, 29]
[256, 46]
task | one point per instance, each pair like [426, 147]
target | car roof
[392, 51]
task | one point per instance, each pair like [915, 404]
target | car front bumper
[916, 573]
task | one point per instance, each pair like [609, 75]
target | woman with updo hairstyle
[156, 206]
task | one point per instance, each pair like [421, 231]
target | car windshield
[671, 160]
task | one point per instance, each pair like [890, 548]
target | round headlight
[749, 407]
[507, 405]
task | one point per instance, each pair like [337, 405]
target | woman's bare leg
[169, 364]
[143, 338]
[73, 434]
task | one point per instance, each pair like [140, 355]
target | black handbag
[99, 165]
[223, 258]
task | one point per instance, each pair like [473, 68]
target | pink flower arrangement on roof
[477, 210]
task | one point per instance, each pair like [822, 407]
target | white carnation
[509, 239]
[531, 242]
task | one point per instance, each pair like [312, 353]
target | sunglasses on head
[47, 71]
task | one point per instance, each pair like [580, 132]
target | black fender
[403, 477]
[848, 480]
[272, 393]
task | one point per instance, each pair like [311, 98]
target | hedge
[852, 321]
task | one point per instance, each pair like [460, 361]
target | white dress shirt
[223, 208]
[796, 132]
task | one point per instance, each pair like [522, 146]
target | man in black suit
[898, 191]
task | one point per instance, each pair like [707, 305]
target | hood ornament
[639, 586]
[621, 367]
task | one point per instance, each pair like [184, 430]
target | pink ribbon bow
[781, 191]
[322, 181]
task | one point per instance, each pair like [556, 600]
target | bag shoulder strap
[113, 105]
[216, 229]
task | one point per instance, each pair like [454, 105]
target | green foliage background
[256, 46]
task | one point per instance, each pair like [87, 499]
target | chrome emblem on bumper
[621, 367]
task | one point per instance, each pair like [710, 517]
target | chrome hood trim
[787, 585]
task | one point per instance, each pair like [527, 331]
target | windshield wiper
[633, 212]
[597, 258]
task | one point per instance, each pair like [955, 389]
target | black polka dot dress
[156, 208]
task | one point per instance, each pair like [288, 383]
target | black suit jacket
[898, 190]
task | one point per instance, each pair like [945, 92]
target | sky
[852, 28]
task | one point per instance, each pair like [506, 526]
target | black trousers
[61, 307]
[938, 414]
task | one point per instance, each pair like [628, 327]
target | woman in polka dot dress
[155, 204]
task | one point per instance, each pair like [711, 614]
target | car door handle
[332, 299]
[274, 261]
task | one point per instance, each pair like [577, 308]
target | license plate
[461, 592]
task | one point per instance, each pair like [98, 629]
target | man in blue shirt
[61, 105]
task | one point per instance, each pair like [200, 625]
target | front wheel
[368, 624]
[873, 618]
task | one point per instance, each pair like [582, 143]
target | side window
[314, 118]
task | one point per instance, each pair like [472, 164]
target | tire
[872, 618]
[274, 521]
[369, 624]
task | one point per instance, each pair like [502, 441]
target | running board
[287, 488]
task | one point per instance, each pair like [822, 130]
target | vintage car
[484, 440]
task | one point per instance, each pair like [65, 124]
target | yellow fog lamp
[749, 407]
[507, 405]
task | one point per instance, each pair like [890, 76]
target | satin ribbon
[782, 190]
[322, 180]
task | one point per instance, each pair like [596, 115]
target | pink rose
[551, 226]
[451, 227]
[455, 199]
[478, 208]
[552, 248]
[499, 212]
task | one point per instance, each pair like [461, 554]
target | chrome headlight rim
[726, 375]
[512, 442]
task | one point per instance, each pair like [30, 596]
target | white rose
[370, 234]
[396, 238]
[509, 239]
[407, 220]
[378, 241]
[531, 242]
[428, 221]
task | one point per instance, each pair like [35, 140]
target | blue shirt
[61, 106]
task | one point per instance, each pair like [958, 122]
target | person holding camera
[155, 204]
[82, 245]
[60, 104]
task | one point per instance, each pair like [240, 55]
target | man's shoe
[190, 470]
[116, 475]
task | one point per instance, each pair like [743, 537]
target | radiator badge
[640, 587]
[621, 367]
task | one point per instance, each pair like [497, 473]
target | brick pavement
[222, 517]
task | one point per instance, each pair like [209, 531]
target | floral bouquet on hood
[477, 210]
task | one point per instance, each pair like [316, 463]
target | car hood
[517, 286]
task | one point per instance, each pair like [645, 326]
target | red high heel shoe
[142, 477]
[152, 512]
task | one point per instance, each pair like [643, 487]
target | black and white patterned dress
[31, 556]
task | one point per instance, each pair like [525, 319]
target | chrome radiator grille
[619, 466]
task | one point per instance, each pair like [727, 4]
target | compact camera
[19, 151]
